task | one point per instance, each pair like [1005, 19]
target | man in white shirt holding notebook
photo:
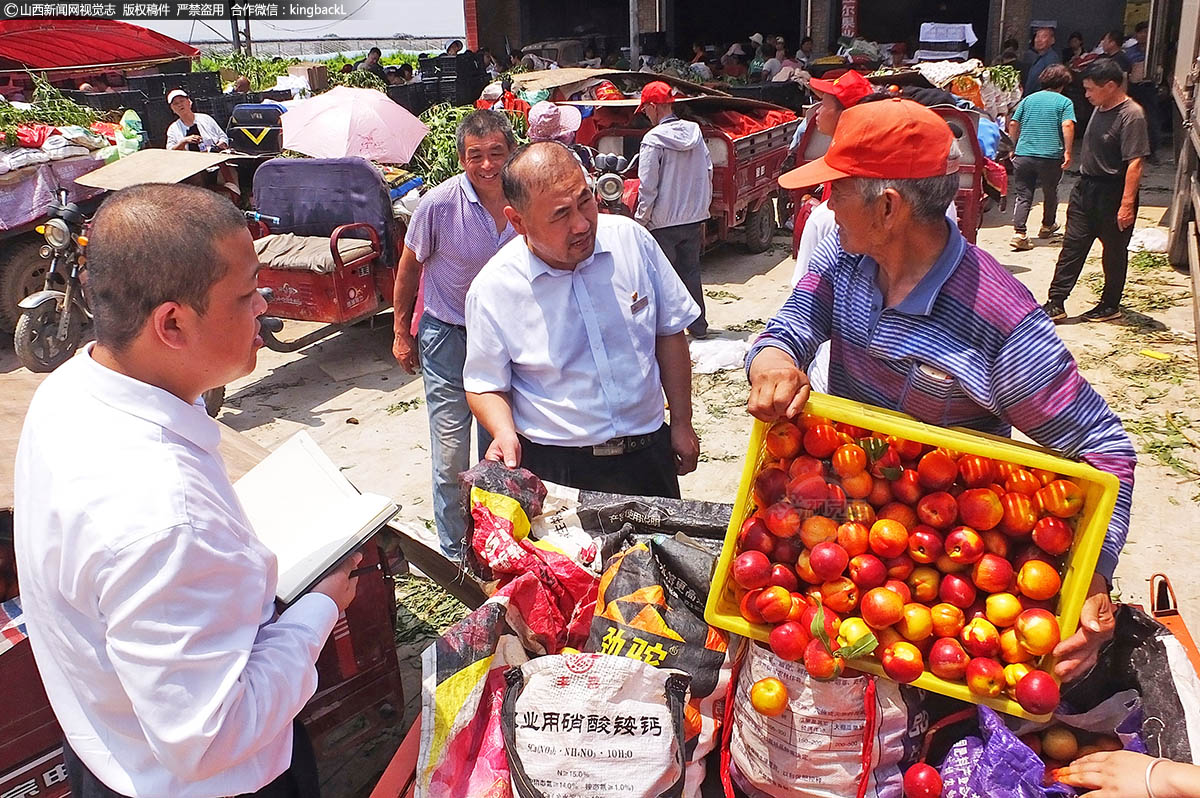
[150, 603]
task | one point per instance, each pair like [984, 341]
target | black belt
[613, 446]
[624, 445]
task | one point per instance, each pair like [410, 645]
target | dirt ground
[369, 415]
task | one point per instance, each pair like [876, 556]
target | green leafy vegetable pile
[1004, 77]
[261, 72]
[359, 79]
[436, 159]
[49, 107]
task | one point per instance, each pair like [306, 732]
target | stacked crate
[455, 79]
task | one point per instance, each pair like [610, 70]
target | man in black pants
[1105, 200]
[575, 332]
[675, 176]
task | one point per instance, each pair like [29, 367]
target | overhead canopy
[71, 44]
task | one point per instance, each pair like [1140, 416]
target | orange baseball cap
[654, 92]
[893, 139]
[848, 88]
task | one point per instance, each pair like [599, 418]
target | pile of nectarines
[951, 563]
[1059, 746]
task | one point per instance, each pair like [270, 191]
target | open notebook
[304, 510]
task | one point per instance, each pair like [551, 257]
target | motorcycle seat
[308, 253]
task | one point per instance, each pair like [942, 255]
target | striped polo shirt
[969, 346]
[1041, 116]
[452, 236]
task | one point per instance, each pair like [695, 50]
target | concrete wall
[1016, 17]
[825, 24]
[494, 20]
[1091, 19]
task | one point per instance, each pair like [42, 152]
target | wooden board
[152, 166]
[16, 390]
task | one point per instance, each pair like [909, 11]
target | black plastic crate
[444, 65]
[109, 100]
[220, 107]
[156, 118]
[411, 96]
[155, 87]
[439, 91]
[206, 105]
[459, 90]
[203, 84]
[464, 67]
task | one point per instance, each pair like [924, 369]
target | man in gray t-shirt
[1105, 200]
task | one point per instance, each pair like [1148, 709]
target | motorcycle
[611, 171]
[46, 336]
[52, 320]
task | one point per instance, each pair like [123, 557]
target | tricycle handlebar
[255, 216]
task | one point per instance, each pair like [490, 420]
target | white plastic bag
[1149, 239]
[83, 137]
[817, 748]
[19, 157]
[717, 354]
[58, 147]
[594, 725]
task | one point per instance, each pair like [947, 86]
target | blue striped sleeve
[806, 318]
[1038, 389]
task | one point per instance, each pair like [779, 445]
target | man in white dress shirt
[150, 603]
[575, 330]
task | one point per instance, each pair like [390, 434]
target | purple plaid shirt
[453, 236]
[968, 347]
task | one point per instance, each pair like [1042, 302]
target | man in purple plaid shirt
[456, 229]
[922, 322]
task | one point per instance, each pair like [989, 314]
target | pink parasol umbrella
[346, 122]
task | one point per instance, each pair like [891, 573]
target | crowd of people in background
[1107, 93]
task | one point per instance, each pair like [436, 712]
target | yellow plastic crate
[1100, 497]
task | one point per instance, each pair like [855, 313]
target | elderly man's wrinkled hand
[1077, 654]
[686, 445]
[404, 349]
[1125, 216]
[778, 390]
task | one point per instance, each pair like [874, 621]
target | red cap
[893, 139]
[848, 89]
[656, 92]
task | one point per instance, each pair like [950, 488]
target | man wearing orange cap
[675, 174]
[836, 96]
[924, 323]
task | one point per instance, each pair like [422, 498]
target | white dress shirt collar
[580, 361]
[151, 403]
[538, 267]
